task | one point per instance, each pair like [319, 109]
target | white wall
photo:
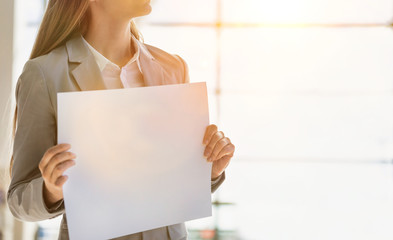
[6, 104]
[6, 86]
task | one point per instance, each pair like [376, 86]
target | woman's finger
[56, 160]
[228, 149]
[220, 165]
[61, 180]
[52, 152]
[210, 131]
[218, 148]
[211, 144]
[60, 169]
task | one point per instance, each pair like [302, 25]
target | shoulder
[37, 71]
[54, 59]
[48, 66]
[163, 56]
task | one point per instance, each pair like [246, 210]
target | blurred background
[303, 88]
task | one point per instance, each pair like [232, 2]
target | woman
[86, 45]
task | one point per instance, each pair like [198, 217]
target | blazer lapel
[152, 71]
[87, 73]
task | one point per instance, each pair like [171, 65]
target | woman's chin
[148, 8]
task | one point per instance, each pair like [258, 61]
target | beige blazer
[71, 67]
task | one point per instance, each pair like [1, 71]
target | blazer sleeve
[35, 133]
[216, 183]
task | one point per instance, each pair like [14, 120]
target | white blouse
[130, 75]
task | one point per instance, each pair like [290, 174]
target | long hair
[63, 19]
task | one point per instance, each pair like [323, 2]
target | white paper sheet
[139, 162]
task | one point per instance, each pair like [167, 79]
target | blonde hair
[63, 19]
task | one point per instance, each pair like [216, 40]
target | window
[304, 90]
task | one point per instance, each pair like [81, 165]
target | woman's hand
[219, 150]
[52, 166]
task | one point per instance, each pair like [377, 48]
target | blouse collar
[102, 61]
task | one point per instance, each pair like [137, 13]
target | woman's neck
[111, 38]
